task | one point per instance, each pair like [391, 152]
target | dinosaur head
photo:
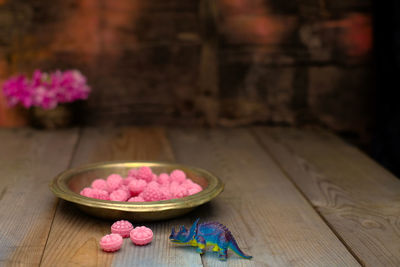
[179, 237]
[183, 236]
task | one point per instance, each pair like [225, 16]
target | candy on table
[122, 228]
[119, 195]
[114, 181]
[145, 173]
[178, 176]
[141, 235]
[111, 242]
[100, 184]
[136, 199]
[137, 186]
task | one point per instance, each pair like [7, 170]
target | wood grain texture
[29, 159]
[268, 216]
[356, 196]
[74, 237]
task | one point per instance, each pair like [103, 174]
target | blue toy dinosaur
[208, 233]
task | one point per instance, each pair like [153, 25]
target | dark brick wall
[297, 62]
[203, 62]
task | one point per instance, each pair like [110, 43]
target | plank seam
[288, 176]
[75, 148]
[167, 134]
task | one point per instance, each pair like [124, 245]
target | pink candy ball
[123, 228]
[141, 235]
[163, 179]
[137, 186]
[166, 194]
[136, 199]
[178, 176]
[142, 185]
[178, 191]
[125, 188]
[111, 242]
[87, 192]
[100, 194]
[114, 181]
[191, 187]
[128, 179]
[153, 184]
[119, 195]
[188, 183]
[100, 184]
[152, 193]
[133, 173]
[195, 190]
[145, 173]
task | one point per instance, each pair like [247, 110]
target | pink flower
[46, 90]
[17, 89]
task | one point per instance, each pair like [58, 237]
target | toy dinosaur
[208, 233]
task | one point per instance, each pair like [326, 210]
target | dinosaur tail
[234, 246]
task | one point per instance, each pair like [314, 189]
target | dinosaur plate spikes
[194, 228]
[172, 236]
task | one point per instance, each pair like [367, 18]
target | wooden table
[292, 198]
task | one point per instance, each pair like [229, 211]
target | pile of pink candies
[139, 236]
[142, 185]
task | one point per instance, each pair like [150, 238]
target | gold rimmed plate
[69, 183]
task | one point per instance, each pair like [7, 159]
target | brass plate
[69, 183]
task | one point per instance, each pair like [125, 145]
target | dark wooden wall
[203, 62]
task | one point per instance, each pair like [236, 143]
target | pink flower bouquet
[46, 90]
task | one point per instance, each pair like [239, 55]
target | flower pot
[61, 116]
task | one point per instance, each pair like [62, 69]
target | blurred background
[212, 63]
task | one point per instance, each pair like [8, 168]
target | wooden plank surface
[74, 237]
[269, 217]
[357, 197]
[29, 159]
